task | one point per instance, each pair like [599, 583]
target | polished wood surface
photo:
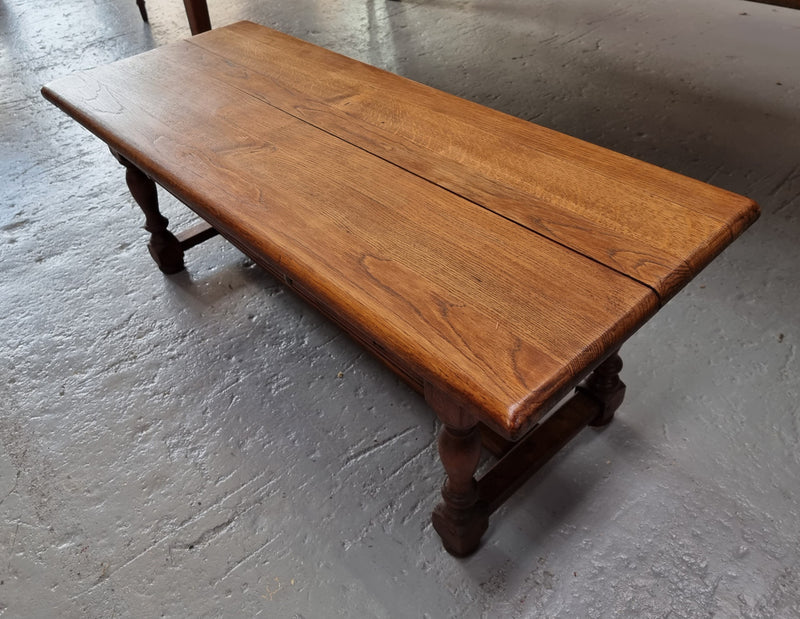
[494, 259]
[491, 263]
[652, 225]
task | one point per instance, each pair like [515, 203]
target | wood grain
[653, 225]
[488, 258]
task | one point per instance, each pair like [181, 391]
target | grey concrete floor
[205, 445]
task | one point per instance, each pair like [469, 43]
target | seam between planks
[427, 180]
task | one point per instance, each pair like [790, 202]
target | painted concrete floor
[187, 446]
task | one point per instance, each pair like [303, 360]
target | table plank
[473, 303]
[656, 226]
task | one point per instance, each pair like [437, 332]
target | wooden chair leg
[164, 246]
[460, 519]
[197, 15]
[142, 10]
[605, 386]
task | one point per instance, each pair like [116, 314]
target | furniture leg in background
[197, 14]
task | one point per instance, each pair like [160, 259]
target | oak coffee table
[493, 264]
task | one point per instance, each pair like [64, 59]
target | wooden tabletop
[491, 257]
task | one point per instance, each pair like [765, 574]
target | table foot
[605, 386]
[460, 519]
[164, 246]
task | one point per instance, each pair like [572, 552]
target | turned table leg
[460, 519]
[164, 246]
[606, 388]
